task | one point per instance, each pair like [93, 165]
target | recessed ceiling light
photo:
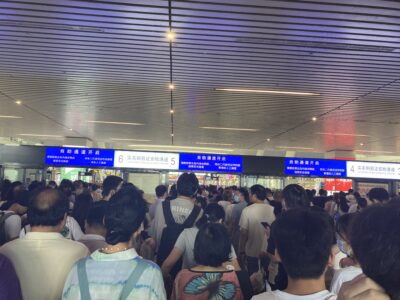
[70, 129]
[314, 119]
[268, 140]
[10, 117]
[41, 135]
[116, 123]
[266, 92]
[341, 134]
[171, 86]
[131, 140]
[232, 129]
[373, 151]
[18, 102]
[180, 147]
[299, 148]
[38, 144]
[170, 36]
[13, 145]
[214, 144]
[171, 111]
[74, 146]
[172, 135]
[361, 144]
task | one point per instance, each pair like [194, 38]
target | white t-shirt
[279, 295]
[185, 243]
[12, 226]
[353, 208]
[343, 275]
[251, 219]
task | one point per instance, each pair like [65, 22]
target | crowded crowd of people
[86, 241]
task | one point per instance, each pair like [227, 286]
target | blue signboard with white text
[315, 167]
[210, 163]
[79, 157]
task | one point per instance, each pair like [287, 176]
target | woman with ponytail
[116, 271]
[184, 246]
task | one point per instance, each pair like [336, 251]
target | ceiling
[69, 62]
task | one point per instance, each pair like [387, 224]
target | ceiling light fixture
[10, 117]
[373, 151]
[115, 123]
[180, 147]
[314, 119]
[268, 140]
[171, 111]
[171, 86]
[341, 134]
[214, 144]
[131, 140]
[300, 148]
[74, 146]
[41, 135]
[18, 102]
[361, 144]
[266, 92]
[231, 129]
[170, 36]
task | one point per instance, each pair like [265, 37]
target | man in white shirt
[252, 232]
[95, 230]
[43, 258]
[161, 194]
[303, 243]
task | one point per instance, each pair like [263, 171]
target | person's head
[14, 187]
[52, 185]
[124, 216]
[161, 191]
[378, 195]
[343, 204]
[375, 240]
[350, 192]
[361, 202]
[34, 185]
[227, 195]
[79, 187]
[323, 193]
[343, 233]
[187, 185]
[66, 187]
[294, 196]
[212, 246]
[257, 193]
[94, 223]
[213, 213]
[303, 241]
[173, 193]
[48, 210]
[269, 192]
[81, 208]
[22, 197]
[242, 195]
[111, 185]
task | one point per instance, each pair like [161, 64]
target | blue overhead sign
[315, 167]
[210, 162]
[79, 157]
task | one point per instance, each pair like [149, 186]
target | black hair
[323, 192]
[343, 226]
[201, 201]
[11, 191]
[81, 208]
[110, 183]
[303, 239]
[48, 208]
[362, 202]
[66, 187]
[259, 191]
[344, 206]
[227, 195]
[35, 185]
[78, 183]
[245, 194]
[22, 197]
[96, 213]
[125, 213]
[295, 197]
[52, 184]
[375, 241]
[212, 213]
[268, 191]
[378, 194]
[187, 184]
[161, 190]
[212, 246]
[173, 193]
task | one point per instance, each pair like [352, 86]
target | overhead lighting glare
[10, 117]
[214, 144]
[74, 146]
[266, 92]
[298, 148]
[179, 147]
[231, 129]
[116, 123]
[170, 36]
[314, 119]
[268, 140]
[18, 102]
[171, 86]
[341, 134]
[361, 144]
[171, 111]
[41, 135]
[130, 140]
[373, 151]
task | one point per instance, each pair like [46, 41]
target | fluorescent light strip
[215, 144]
[373, 151]
[299, 148]
[74, 146]
[116, 123]
[266, 92]
[231, 129]
[10, 117]
[341, 134]
[41, 135]
[180, 147]
[132, 140]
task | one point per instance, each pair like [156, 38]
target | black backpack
[171, 233]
